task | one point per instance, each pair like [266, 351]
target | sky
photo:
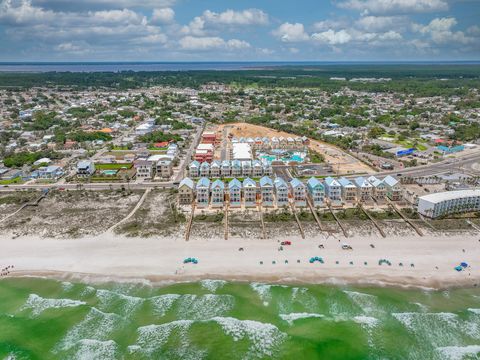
[239, 30]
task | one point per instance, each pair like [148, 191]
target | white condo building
[444, 203]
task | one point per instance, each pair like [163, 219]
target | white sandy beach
[110, 257]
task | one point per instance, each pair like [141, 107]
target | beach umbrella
[458, 268]
[464, 264]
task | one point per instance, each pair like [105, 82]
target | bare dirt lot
[72, 214]
[341, 162]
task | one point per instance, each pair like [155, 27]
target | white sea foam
[204, 307]
[264, 338]
[459, 352]
[111, 301]
[367, 321]
[153, 338]
[368, 303]
[438, 329]
[163, 303]
[87, 349]
[422, 307]
[212, 285]
[97, 325]
[290, 318]
[67, 286]
[39, 304]
[263, 291]
[475, 311]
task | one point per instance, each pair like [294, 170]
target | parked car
[288, 242]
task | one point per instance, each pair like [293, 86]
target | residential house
[257, 169]
[218, 193]
[48, 172]
[299, 191]
[349, 190]
[333, 190]
[236, 170]
[281, 191]
[215, 169]
[204, 169]
[267, 168]
[144, 169]
[316, 190]
[186, 190]
[164, 168]
[266, 191]
[85, 168]
[203, 192]
[235, 192]
[226, 168]
[379, 188]
[246, 168]
[249, 192]
[393, 188]
[364, 189]
[194, 169]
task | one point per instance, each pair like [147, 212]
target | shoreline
[112, 258]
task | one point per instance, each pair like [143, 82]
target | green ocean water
[48, 319]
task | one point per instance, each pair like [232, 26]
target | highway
[469, 164]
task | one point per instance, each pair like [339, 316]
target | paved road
[469, 163]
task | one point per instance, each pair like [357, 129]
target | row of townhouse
[274, 142]
[226, 168]
[279, 192]
[362, 189]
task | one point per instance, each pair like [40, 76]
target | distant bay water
[39, 67]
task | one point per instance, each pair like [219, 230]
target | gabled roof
[216, 164]
[249, 183]
[279, 182]
[330, 181]
[345, 182]
[218, 184]
[266, 181]
[234, 183]
[236, 163]
[203, 182]
[194, 163]
[376, 182]
[187, 182]
[204, 165]
[226, 163]
[296, 183]
[313, 183]
[362, 182]
[390, 181]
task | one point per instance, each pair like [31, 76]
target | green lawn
[113, 166]
[17, 180]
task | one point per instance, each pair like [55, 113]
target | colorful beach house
[299, 191]
[194, 169]
[186, 190]
[246, 168]
[205, 169]
[250, 192]
[236, 168]
[257, 169]
[281, 191]
[203, 192]
[218, 193]
[349, 190]
[226, 170]
[266, 191]
[316, 190]
[235, 192]
[215, 169]
[333, 189]
[364, 189]
[379, 189]
[394, 190]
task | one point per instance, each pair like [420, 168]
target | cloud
[21, 12]
[84, 5]
[440, 31]
[382, 23]
[200, 25]
[394, 6]
[288, 32]
[163, 16]
[211, 42]
[332, 37]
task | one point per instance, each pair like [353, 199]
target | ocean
[49, 319]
